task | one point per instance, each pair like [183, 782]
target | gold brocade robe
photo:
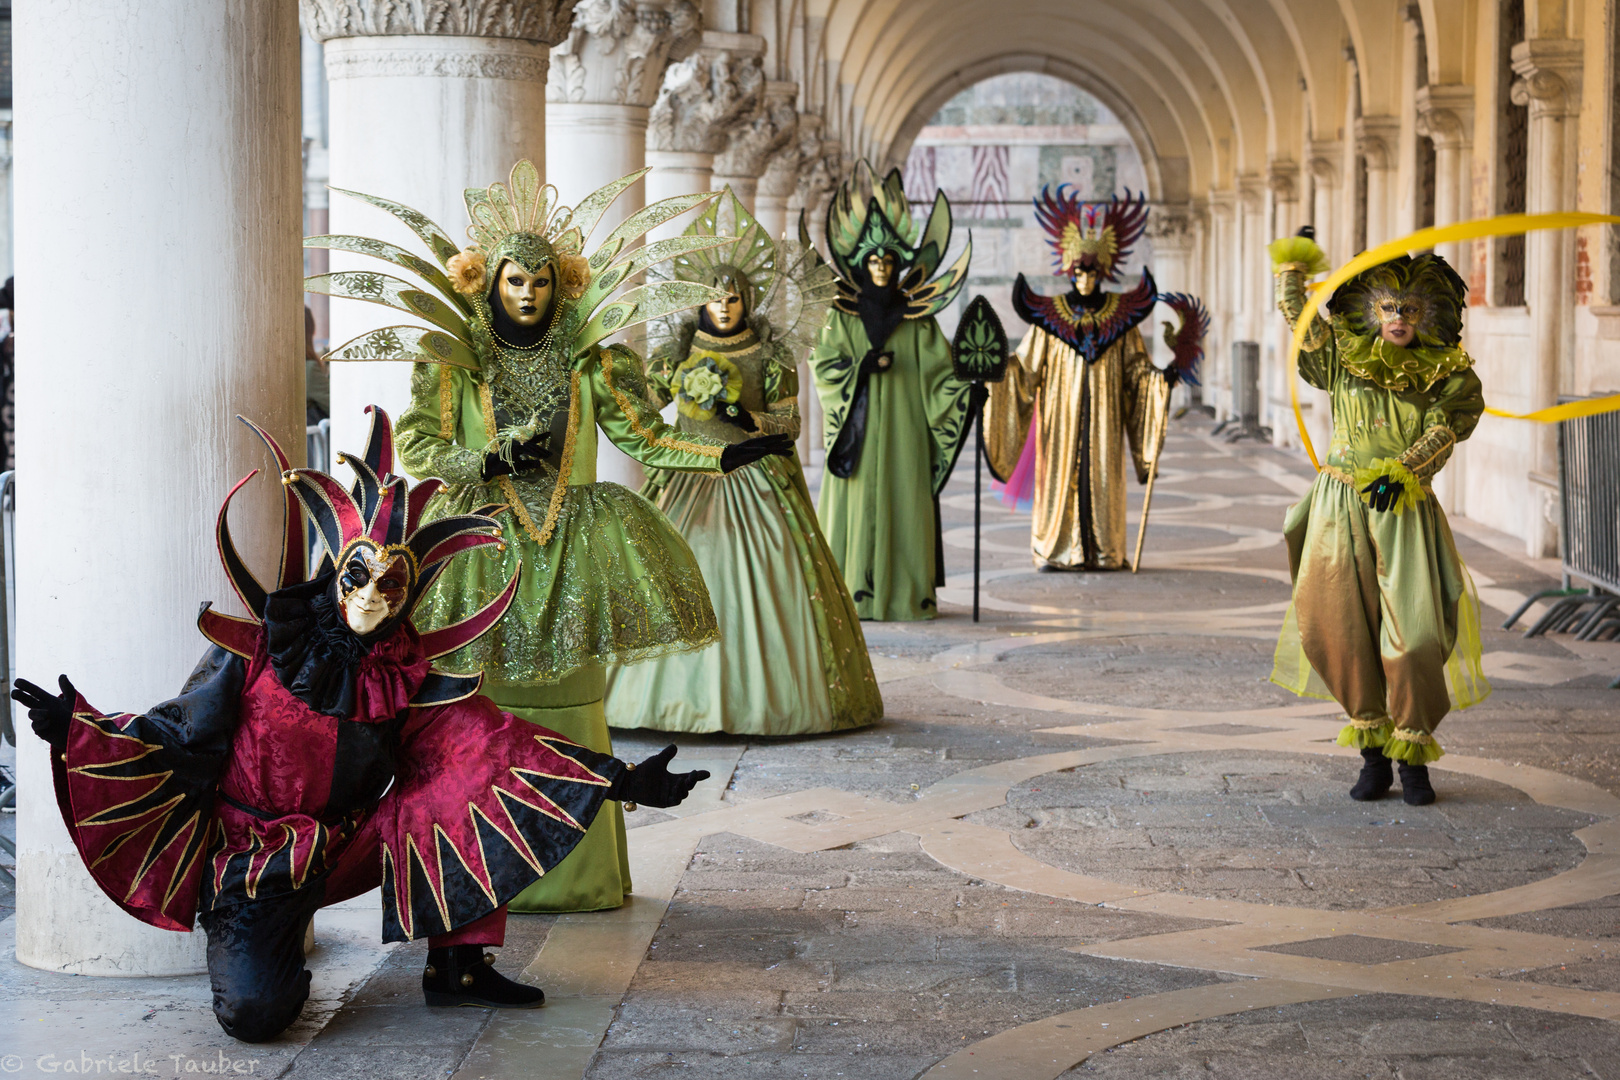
[1088, 415]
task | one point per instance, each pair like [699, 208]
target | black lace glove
[749, 451]
[1383, 493]
[526, 456]
[652, 784]
[737, 416]
[876, 361]
[49, 715]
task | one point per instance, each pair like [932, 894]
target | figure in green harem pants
[1384, 618]
[895, 414]
[506, 401]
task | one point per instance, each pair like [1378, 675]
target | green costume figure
[1384, 618]
[895, 414]
[783, 608]
[507, 397]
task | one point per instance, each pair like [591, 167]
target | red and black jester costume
[302, 764]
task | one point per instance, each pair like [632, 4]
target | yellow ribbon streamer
[1484, 228]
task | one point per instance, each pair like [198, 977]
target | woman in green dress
[507, 397]
[783, 609]
[896, 415]
[1384, 619]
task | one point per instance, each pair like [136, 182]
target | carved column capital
[541, 21]
[1282, 178]
[1549, 71]
[703, 97]
[759, 138]
[1446, 115]
[1376, 139]
[1251, 192]
[1324, 160]
[1171, 227]
[617, 50]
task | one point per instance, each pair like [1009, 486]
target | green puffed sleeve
[1316, 355]
[1456, 403]
[426, 433]
[660, 374]
[628, 419]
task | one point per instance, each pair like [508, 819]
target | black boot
[464, 975]
[1377, 775]
[1415, 786]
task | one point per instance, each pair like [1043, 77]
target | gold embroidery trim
[1369, 725]
[1450, 441]
[1411, 735]
[541, 534]
[447, 425]
[665, 442]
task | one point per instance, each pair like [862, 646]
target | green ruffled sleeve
[1457, 402]
[426, 433]
[628, 419]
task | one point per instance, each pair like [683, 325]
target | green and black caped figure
[896, 414]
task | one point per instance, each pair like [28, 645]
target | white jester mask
[372, 585]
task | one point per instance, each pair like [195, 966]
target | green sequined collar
[1392, 367]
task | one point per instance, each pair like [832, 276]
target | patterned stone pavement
[1089, 838]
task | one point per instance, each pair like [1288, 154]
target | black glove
[1383, 493]
[1307, 231]
[749, 451]
[525, 457]
[50, 716]
[737, 416]
[876, 361]
[652, 784]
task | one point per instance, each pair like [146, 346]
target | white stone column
[1549, 82]
[604, 79]
[777, 184]
[186, 179]
[421, 108]
[704, 99]
[754, 140]
[1376, 140]
[816, 175]
[1326, 176]
[1445, 114]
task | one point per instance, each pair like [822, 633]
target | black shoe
[1377, 776]
[1415, 786]
[464, 975]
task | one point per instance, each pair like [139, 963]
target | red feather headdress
[1091, 236]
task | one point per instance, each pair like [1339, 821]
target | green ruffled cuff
[1412, 487]
[1398, 744]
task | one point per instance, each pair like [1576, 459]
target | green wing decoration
[393, 253]
[413, 343]
[867, 217]
[588, 213]
[655, 214]
[391, 292]
[651, 301]
[430, 234]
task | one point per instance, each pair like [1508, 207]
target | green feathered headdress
[1424, 291]
[869, 218]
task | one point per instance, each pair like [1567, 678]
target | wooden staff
[1153, 474]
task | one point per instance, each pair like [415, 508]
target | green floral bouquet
[705, 384]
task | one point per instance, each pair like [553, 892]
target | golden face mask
[881, 268]
[525, 296]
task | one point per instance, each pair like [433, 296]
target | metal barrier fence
[1589, 498]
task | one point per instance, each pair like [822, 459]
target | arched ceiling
[1232, 87]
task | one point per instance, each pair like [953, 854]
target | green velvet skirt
[792, 659]
[596, 874]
